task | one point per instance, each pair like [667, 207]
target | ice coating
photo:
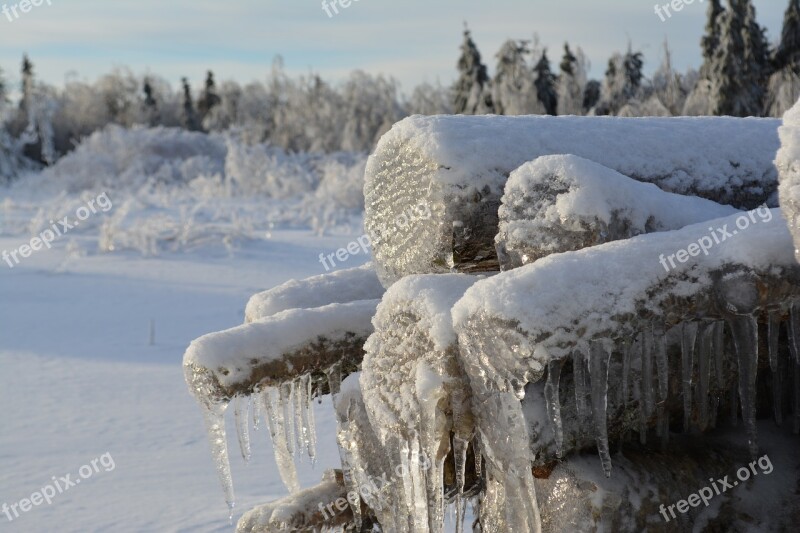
[513, 325]
[561, 203]
[788, 164]
[414, 390]
[455, 167]
[342, 286]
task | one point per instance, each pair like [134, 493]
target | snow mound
[561, 203]
[349, 285]
[788, 163]
[457, 167]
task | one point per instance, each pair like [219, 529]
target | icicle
[599, 360]
[688, 338]
[627, 351]
[202, 387]
[460, 457]
[704, 369]
[551, 392]
[256, 406]
[744, 329]
[277, 428]
[662, 370]
[309, 422]
[301, 431]
[287, 406]
[718, 346]
[773, 331]
[334, 374]
[476, 448]
[797, 398]
[719, 353]
[579, 375]
[794, 332]
[639, 395]
[647, 370]
[240, 413]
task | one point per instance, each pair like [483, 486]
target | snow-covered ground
[80, 379]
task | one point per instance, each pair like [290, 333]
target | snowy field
[79, 378]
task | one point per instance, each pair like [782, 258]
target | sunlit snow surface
[79, 379]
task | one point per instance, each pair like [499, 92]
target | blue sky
[413, 40]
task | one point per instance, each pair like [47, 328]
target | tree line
[741, 75]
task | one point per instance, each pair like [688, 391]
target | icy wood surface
[416, 394]
[456, 167]
[561, 203]
[788, 163]
[620, 282]
[342, 286]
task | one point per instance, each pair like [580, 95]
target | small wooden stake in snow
[152, 332]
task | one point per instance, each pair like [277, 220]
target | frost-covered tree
[428, 99]
[546, 85]
[699, 101]
[741, 63]
[209, 99]
[572, 82]
[622, 82]
[591, 95]
[149, 105]
[784, 85]
[471, 92]
[667, 84]
[189, 115]
[513, 87]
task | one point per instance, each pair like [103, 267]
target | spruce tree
[784, 84]
[209, 99]
[788, 52]
[27, 83]
[571, 83]
[740, 66]
[149, 106]
[470, 92]
[189, 116]
[513, 87]
[710, 40]
[546, 85]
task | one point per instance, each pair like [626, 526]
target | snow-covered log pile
[788, 163]
[456, 168]
[562, 203]
[632, 316]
